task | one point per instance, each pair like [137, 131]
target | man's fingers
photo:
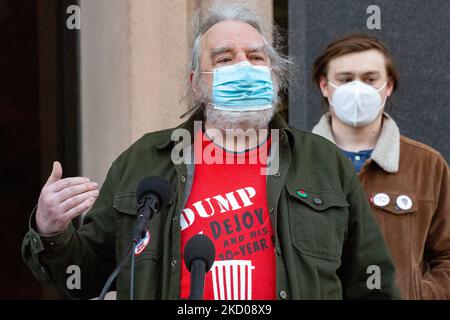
[79, 209]
[56, 173]
[72, 191]
[67, 183]
[78, 199]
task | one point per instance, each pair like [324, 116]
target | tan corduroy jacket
[417, 232]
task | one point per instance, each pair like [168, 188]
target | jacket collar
[387, 151]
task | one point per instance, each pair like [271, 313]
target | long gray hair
[239, 13]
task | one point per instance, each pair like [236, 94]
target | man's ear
[323, 84]
[389, 87]
[192, 81]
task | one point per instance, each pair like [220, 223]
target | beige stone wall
[105, 85]
[158, 57]
[134, 71]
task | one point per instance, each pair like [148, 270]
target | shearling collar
[387, 150]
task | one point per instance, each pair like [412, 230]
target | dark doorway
[38, 124]
[19, 141]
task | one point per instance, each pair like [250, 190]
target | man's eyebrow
[349, 73]
[372, 72]
[219, 50]
[257, 48]
[344, 73]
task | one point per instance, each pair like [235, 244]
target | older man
[304, 231]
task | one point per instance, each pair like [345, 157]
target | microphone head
[158, 186]
[199, 247]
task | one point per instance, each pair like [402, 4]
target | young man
[407, 182]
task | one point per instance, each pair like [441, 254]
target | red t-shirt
[228, 204]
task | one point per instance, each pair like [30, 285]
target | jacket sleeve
[436, 281]
[78, 262]
[367, 270]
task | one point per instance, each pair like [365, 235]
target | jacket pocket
[148, 262]
[318, 222]
[126, 214]
[148, 277]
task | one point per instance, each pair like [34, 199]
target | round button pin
[302, 193]
[381, 199]
[404, 202]
[142, 244]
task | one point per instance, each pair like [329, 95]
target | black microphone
[199, 256]
[152, 195]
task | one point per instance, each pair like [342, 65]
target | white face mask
[356, 103]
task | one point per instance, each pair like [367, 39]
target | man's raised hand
[62, 200]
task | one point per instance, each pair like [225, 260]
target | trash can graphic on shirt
[232, 279]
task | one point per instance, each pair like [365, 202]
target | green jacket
[325, 242]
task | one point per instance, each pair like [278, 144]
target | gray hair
[239, 13]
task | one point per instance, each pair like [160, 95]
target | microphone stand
[132, 271]
[115, 273]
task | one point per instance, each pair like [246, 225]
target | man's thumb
[56, 173]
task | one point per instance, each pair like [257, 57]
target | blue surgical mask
[242, 87]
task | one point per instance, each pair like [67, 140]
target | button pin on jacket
[302, 194]
[404, 202]
[142, 244]
[381, 199]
